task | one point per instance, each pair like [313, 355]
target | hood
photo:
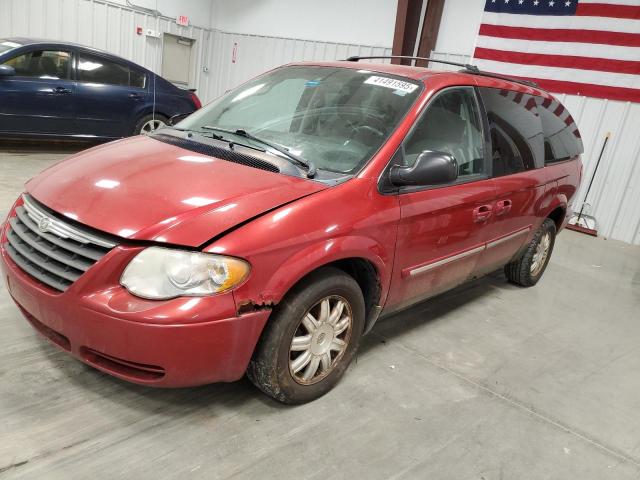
[143, 189]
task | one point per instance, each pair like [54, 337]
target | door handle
[482, 213]
[503, 206]
[135, 96]
[61, 90]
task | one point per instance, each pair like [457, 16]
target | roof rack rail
[468, 68]
[528, 83]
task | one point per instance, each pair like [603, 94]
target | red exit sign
[182, 20]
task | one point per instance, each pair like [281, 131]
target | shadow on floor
[171, 402]
[434, 309]
[177, 402]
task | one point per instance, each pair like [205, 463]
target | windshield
[6, 45]
[335, 118]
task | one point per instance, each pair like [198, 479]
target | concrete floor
[487, 382]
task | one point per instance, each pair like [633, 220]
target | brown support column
[398, 34]
[406, 31]
[430, 29]
[407, 23]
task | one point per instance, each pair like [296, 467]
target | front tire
[311, 338]
[528, 269]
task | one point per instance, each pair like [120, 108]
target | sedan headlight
[162, 273]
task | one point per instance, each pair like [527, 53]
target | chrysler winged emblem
[43, 224]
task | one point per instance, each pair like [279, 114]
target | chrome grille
[52, 251]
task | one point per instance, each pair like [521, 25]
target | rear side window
[95, 69]
[49, 64]
[515, 129]
[137, 78]
[561, 136]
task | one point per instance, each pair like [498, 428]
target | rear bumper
[175, 343]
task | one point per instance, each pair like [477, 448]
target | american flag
[579, 47]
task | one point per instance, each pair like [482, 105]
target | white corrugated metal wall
[111, 27]
[255, 54]
[614, 199]
[615, 196]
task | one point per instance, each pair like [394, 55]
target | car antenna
[153, 111]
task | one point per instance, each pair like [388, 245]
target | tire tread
[519, 270]
[265, 370]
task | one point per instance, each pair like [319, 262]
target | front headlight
[162, 273]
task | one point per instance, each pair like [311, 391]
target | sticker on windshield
[391, 83]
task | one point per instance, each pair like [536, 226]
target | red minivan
[267, 232]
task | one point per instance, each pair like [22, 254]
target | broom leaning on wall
[587, 223]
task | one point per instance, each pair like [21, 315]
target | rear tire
[310, 339]
[528, 269]
[149, 124]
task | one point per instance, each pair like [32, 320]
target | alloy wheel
[541, 254]
[320, 340]
[151, 126]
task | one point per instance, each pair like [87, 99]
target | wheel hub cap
[320, 340]
[541, 254]
[151, 126]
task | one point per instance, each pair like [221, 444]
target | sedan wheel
[320, 340]
[151, 126]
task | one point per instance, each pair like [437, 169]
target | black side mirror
[431, 168]
[7, 71]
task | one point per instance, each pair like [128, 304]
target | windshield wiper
[309, 166]
[193, 130]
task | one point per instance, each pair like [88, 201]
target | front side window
[47, 64]
[451, 124]
[95, 69]
[336, 118]
[515, 129]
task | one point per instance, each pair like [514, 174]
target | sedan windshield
[6, 45]
[332, 118]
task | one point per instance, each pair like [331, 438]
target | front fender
[313, 257]
[351, 220]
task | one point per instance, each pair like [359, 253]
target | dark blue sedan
[60, 89]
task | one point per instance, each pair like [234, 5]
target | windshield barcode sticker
[391, 83]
